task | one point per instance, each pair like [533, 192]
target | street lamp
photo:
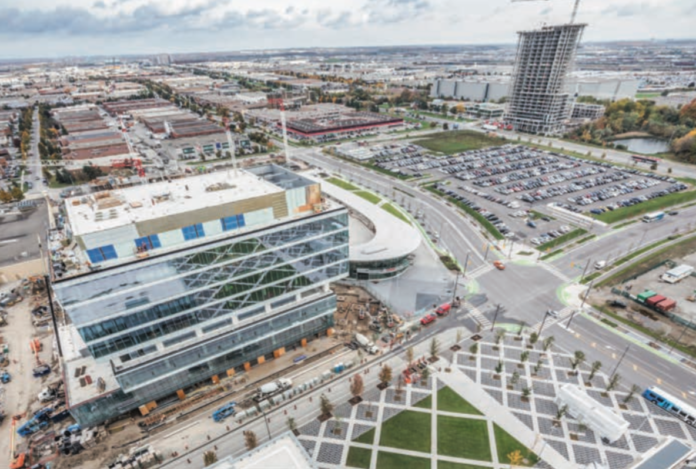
[620, 360]
[543, 321]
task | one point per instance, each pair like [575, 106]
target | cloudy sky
[49, 28]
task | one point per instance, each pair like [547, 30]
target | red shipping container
[666, 305]
[653, 300]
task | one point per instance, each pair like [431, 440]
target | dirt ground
[351, 300]
[20, 395]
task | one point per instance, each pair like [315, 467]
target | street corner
[570, 294]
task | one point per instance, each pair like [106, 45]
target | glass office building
[221, 296]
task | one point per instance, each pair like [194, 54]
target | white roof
[149, 201]
[606, 422]
[393, 237]
[282, 452]
[680, 270]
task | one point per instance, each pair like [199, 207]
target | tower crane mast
[572, 16]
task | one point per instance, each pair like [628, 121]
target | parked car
[616, 304]
[553, 313]
[41, 370]
[499, 265]
[428, 319]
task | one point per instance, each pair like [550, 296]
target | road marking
[577, 335]
[635, 367]
[613, 355]
[659, 380]
[594, 344]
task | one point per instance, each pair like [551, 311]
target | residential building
[586, 111]
[174, 283]
[539, 100]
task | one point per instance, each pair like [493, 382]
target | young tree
[538, 366]
[357, 386]
[473, 349]
[459, 335]
[410, 355]
[577, 359]
[399, 383]
[524, 356]
[561, 412]
[526, 392]
[629, 397]
[521, 329]
[325, 405]
[385, 375]
[499, 367]
[515, 458]
[209, 458]
[250, 440]
[434, 347]
[596, 365]
[613, 382]
[514, 378]
[548, 342]
[292, 425]
[499, 335]
[533, 338]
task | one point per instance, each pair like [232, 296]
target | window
[102, 254]
[148, 242]
[179, 339]
[233, 222]
[193, 231]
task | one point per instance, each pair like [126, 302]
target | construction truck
[39, 421]
[17, 459]
[271, 389]
[366, 344]
[228, 410]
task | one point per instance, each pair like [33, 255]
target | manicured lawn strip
[506, 444]
[368, 437]
[369, 165]
[394, 211]
[589, 278]
[359, 457]
[534, 215]
[407, 430]
[618, 227]
[387, 460]
[463, 438]
[648, 332]
[369, 197]
[450, 263]
[426, 403]
[456, 465]
[457, 141]
[586, 238]
[450, 401]
[342, 184]
[551, 254]
[562, 239]
[477, 216]
[653, 205]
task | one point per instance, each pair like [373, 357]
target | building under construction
[540, 102]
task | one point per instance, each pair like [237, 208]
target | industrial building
[345, 125]
[174, 283]
[539, 101]
[471, 90]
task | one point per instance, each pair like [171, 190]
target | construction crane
[36, 346]
[276, 99]
[17, 460]
[572, 16]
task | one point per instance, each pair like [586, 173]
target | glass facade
[379, 269]
[168, 321]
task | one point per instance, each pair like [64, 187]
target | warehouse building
[174, 283]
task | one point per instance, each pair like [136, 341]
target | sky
[56, 28]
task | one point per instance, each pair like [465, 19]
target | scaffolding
[539, 100]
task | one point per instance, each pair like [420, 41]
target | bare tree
[459, 335]
[434, 347]
[250, 440]
[385, 375]
[325, 405]
[499, 335]
[357, 386]
[209, 458]
[410, 354]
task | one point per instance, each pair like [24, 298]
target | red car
[443, 309]
[428, 319]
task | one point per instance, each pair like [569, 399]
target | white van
[600, 264]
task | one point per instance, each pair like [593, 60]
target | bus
[671, 404]
[655, 216]
[646, 159]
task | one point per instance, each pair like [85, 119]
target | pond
[646, 146]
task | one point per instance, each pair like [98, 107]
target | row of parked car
[552, 179]
[488, 215]
[617, 190]
[496, 162]
[509, 171]
[543, 174]
[558, 191]
[550, 236]
[643, 198]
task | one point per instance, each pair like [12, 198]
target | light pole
[543, 321]
[584, 298]
[620, 360]
[265, 420]
[454, 290]
[582, 276]
[466, 263]
[485, 256]
[497, 310]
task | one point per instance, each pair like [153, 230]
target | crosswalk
[562, 316]
[480, 319]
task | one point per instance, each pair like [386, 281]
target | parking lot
[511, 185]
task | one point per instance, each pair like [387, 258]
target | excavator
[17, 460]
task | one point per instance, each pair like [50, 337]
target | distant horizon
[38, 59]
[50, 29]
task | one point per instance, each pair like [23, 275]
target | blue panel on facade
[229, 223]
[103, 253]
[95, 255]
[240, 221]
[193, 231]
[109, 252]
[148, 242]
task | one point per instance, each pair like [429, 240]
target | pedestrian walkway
[480, 319]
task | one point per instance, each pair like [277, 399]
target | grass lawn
[359, 457]
[506, 444]
[368, 437]
[369, 197]
[561, 240]
[54, 184]
[394, 211]
[426, 403]
[653, 205]
[463, 438]
[450, 401]
[342, 184]
[457, 141]
[647, 95]
[399, 461]
[407, 430]
[456, 465]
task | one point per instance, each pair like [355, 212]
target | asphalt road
[639, 366]
[526, 293]
[456, 234]
[616, 243]
[19, 234]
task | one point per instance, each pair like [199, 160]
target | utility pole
[466, 263]
[485, 256]
[543, 321]
[512, 243]
[584, 298]
[454, 290]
